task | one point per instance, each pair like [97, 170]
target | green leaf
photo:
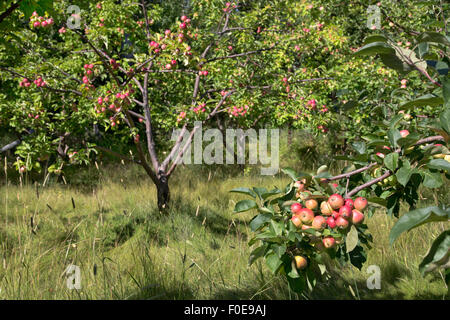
[426, 100]
[246, 191]
[273, 262]
[257, 253]
[290, 172]
[417, 217]
[394, 135]
[444, 118]
[375, 38]
[244, 205]
[277, 227]
[439, 164]
[438, 254]
[374, 48]
[258, 221]
[431, 179]
[260, 192]
[279, 249]
[391, 161]
[404, 173]
[359, 147]
[433, 37]
[351, 240]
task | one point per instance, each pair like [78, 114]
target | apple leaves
[416, 218]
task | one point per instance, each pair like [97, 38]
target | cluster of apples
[335, 212]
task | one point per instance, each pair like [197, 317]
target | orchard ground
[126, 249]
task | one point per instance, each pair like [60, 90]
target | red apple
[296, 221]
[341, 223]
[336, 201]
[329, 242]
[295, 208]
[345, 212]
[357, 216]
[360, 203]
[331, 222]
[349, 202]
[404, 133]
[319, 223]
[306, 215]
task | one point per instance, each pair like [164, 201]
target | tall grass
[106, 222]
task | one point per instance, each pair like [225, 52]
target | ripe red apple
[336, 201]
[329, 242]
[345, 212]
[295, 208]
[349, 202]
[300, 262]
[331, 222]
[360, 203]
[311, 204]
[319, 223]
[404, 133]
[305, 227]
[335, 215]
[326, 208]
[306, 215]
[341, 223]
[357, 216]
[296, 221]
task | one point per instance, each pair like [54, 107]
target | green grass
[127, 250]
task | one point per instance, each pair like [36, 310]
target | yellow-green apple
[326, 208]
[300, 262]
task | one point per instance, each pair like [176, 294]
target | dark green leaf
[417, 217]
[244, 205]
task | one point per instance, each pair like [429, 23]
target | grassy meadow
[106, 222]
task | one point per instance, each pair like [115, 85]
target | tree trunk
[163, 191]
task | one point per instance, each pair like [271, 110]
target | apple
[295, 208]
[326, 208]
[336, 201]
[335, 214]
[296, 221]
[319, 223]
[341, 223]
[345, 212]
[404, 133]
[360, 203]
[329, 242]
[306, 215]
[311, 204]
[331, 222]
[304, 195]
[349, 202]
[357, 216]
[305, 227]
[300, 262]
